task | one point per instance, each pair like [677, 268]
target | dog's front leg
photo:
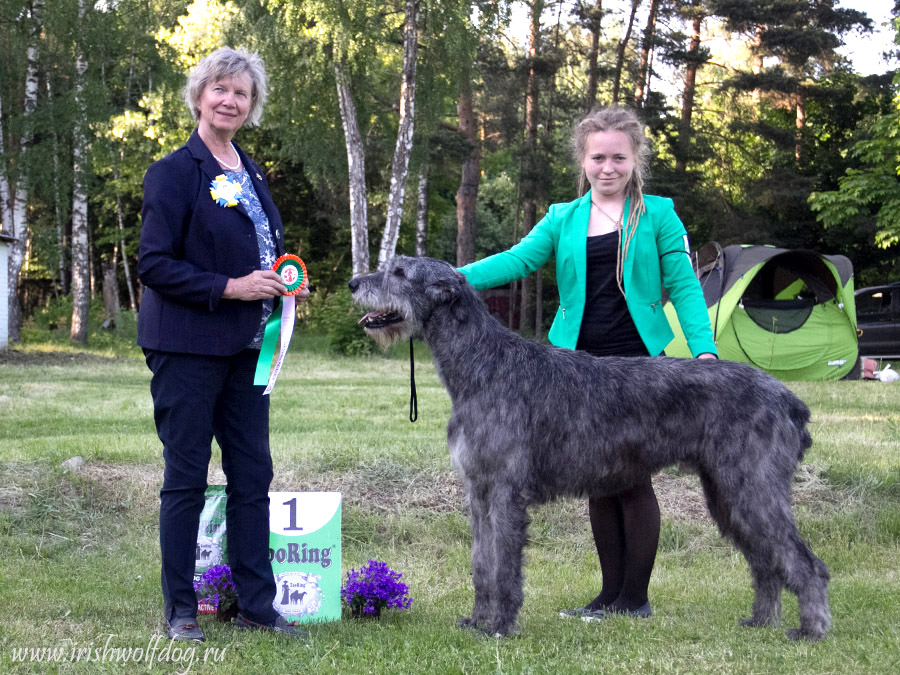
[482, 558]
[509, 527]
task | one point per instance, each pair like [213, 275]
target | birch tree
[5, 187]
[81, 291]
[403, 148]
[356, 165]
[422, 210]
[14, 182]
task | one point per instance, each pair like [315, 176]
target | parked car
[878, 321]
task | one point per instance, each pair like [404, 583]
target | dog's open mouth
[375, 320]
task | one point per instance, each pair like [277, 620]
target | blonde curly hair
[626, 121]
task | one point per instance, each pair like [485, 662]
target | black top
[607, 328]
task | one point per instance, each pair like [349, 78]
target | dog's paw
[467, 622]
[800, 634]
[503, 630]
[754, 622]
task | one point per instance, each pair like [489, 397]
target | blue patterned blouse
[250, 201]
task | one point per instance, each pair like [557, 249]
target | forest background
[437, 127]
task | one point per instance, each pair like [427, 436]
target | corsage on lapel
[224, 192]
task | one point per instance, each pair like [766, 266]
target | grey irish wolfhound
[531, 422]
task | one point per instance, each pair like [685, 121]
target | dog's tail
[800, 415]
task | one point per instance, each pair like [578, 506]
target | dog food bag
[305, 551]
[212, 545]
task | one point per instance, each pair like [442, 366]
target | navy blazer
[190, 247]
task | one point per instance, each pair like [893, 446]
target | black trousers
[196, 398]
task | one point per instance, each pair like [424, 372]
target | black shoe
[279, 625]
[580, 613]
[184, 629]
[642, 612]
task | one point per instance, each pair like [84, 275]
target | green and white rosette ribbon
[292, 271]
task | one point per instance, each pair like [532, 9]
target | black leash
[413, 401]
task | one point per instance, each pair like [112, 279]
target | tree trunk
[646, 48]
[7, 188]
[756, 51]
[126, 268]
[467, 194]
[800, 123]
[690, 87]
[81, 299]
[620, 52]
[403, 148]
[514, 284]
[110, 288]
[548, 135]
[529, 208]
[422, 210]
[594, 19]
[356, 161]
[15, 191]
[58, 204]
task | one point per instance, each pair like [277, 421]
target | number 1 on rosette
[292, 271]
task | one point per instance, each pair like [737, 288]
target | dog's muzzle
[375, 320]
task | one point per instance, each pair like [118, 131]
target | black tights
[626, 534]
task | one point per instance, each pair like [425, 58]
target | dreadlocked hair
[626, 121]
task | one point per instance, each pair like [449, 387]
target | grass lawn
[79, 557]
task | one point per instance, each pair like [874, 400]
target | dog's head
[403, 295]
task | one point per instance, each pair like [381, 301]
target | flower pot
[358, 613]
[227, 614]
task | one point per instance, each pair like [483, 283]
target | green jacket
[659, 255]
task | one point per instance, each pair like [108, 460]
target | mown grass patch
[79, 552]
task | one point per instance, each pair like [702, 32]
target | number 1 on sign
[292, 503]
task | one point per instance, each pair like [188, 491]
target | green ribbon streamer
[267, 351]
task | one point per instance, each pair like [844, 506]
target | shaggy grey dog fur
[531, 422]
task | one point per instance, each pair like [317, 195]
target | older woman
[206, 263]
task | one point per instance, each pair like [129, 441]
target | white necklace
[614, 221]
[237, 165]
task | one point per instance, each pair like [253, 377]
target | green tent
[790, 313]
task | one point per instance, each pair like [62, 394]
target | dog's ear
[447, 292]
[442, 291]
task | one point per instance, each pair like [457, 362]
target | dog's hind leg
[767, 585]
[807, 576]
[762, 526]
[509, 527]
[765, 520]
[483, 564]
[797, 568]
[738, 526]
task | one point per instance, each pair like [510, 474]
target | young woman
[615, 249]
